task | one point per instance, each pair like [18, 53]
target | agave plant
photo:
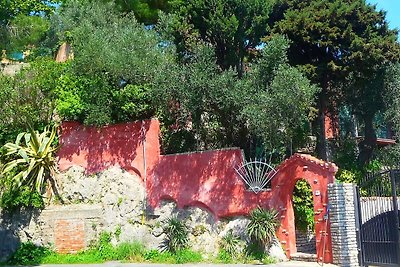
[230, 244]
[262, 226]
[176, 234]
[33, 159]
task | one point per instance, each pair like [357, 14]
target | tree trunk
[367, 145]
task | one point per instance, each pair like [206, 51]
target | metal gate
[378, 219]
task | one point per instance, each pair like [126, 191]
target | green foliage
[145, 11]
[23, 22]
[262, 226]
[117, 46]
[232, 27]
[176, 235]
[104, 247]
[303, 205]
[392, 96]
[27, 31]
[118, 232]
[28, 97]
[229, 245]
[34, 160]
[159, 257]
[14, 198]
[29, 254]
[204, 107]
[115, 63]
[343, 46]
[278, 98]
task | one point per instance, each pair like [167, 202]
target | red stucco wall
[97, 149]
[205, 179]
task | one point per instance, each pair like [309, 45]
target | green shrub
[125, 251]
[262, 226]
[14, 198]
[176, 235]
[303, 205]
[104, 248]
[156, 256]
[224, 257]
[187, 255]
[229, 245]
[29, 254]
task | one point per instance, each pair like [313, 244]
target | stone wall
[305, 242]
[343, 224]
[112, 201]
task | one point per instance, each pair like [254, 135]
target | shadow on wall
[11, 230]
[97, 149]
[206, 179]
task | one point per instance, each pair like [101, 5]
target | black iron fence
[378, 219]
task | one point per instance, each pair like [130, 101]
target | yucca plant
[177, 235]
[262, 226]
[33, 162]
[230, 243]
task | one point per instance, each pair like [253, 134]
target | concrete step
[300, 256]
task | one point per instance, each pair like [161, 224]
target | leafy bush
[176, 235]
[262, 226]
[29, 254]
[126, 251]
[14, 198]
[159, 257]
[303, 205]
[104, 247]
[187, 255]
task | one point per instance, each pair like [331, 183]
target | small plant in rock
[262, 227]
[176, 233]
[230, 244]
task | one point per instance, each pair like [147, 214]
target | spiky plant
[33, 159]
[176, 233]
[262, 226]
[230, 243]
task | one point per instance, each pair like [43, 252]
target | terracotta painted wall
[208, 179]
[205, 179]
[97, 149]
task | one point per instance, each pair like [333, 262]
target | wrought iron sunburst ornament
[256, 174]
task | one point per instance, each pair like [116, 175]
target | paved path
[118, 264]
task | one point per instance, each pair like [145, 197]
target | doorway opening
[303, 206]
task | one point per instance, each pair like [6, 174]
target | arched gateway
[208, 179]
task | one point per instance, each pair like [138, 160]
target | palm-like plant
[33, 158]
[176, 234]
[262, 226]
[229, 243]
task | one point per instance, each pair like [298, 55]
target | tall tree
[331, 39]
[206, 107]
[232, 27]
[14, 16]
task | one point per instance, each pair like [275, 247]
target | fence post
[343, 224]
